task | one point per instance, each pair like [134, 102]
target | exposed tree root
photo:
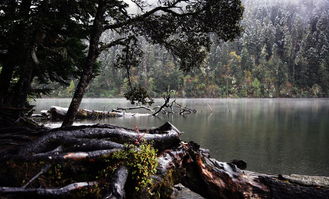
[87, 156]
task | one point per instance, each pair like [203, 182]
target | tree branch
[145, 15]
[48, 192]
[43, 170]
[121, 41]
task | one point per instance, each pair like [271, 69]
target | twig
[43, 170]
[167, 99]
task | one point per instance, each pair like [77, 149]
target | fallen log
[213, 179]
[58, 113]
[97, 154]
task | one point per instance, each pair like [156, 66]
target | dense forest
[282, 52]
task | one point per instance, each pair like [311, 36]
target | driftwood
[58, 113]
[167, 108]
[87, 149]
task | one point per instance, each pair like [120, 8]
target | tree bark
[87, 73]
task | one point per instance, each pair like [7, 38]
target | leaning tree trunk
[87, 73]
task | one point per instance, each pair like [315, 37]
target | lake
[272, 135]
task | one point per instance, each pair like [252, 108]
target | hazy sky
[133, 8]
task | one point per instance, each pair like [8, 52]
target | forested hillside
[283, 52]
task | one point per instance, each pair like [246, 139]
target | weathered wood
[93, 138]
[307, 180]
[48, 192]
[133, 108]
[59, 113]
[213, 179]
[43, 170]
[118, 182]
[178, 162]
[71, 155]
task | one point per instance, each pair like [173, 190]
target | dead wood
[70, 155]
[58, 113]
[178, 162]
[47, 192]
[164, 137]
[43, 170]
[118, 182]
[213, 179]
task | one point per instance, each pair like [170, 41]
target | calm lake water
[271, 135]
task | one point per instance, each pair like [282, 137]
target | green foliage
[142, 161]
[138, 94]
[257, 88]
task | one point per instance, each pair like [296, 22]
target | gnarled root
[87, 151]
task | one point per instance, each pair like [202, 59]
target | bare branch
[145, 15]
[167, 99]
[121, 41]
[74, 155]
[43, 170]
[133, 108]
[48, 192]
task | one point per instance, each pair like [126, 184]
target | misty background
[282, 52]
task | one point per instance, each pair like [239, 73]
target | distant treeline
[283, 52]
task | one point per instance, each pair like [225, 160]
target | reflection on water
[271, 135]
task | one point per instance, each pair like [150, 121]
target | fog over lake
[271, 135]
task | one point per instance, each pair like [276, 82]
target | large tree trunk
[87, 73]
[5, 78]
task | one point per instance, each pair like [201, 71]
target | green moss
[142, 161]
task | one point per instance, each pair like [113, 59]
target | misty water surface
[271, 135]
